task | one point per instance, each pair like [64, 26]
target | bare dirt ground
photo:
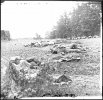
[85, 74]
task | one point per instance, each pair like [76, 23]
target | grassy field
[85, 74]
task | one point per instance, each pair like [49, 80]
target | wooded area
[82, 21]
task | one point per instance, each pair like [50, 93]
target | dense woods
[83, 21]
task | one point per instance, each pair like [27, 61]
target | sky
[25, 18]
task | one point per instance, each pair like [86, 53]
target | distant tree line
[5, 35]
[37, 36]
[83, 21]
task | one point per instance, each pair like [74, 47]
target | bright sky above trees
[23, 18]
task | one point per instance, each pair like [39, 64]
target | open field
[85, 74]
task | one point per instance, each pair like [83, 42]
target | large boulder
[24, 81]
[27, 81]
[19, 76]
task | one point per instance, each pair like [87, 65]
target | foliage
[37, 36]
[83, 21]
[5, 35]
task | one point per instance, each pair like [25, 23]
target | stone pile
[28, 77]
[39, 44]
[65, 49]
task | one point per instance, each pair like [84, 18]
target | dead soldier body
[18, 69]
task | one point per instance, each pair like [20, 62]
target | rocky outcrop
[28, 77]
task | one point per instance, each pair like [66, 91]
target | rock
[95, 36]
[33, 64]
[18, 71]
[53, 51]
[62, 53]
[73, 46]
[63, 78]
[58, 41]
[57, 57]
[72, 95]
[32, 44]
[62, 49]
[35, 44]
[27, 45]
[15, 59]
[58, 49]
[3, 96]
[63, 60]
[90, 37]
[34, 67]
[20, 75]
[45, 44]
[76, 51]
[51, 42]
[23, 66]
[70, 59]
[74, 59]
[33, 59]
[15, 97]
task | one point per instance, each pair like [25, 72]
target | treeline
[37, 36]
[5, 35]
[83, 21]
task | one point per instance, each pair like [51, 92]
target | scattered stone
[74, 59]
[72, 95]
[20, 71]
[63, 60]
[76, 51]
[87, 94]
[63, 78]
[34, 67]
[62, 53]
[15, 59]
[3, 96]
[90, 37]
[70, 59]
[74, 46]
[53, 51]
[58, 49]
[46, 95]
[95, 36]
[15, 97]
[33, 60]
[58, 57]
[40, 44]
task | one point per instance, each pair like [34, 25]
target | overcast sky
[24, 19]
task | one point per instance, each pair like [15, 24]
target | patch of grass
[86, 66]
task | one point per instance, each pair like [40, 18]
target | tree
[5, 35]
[62, 30]
[38, 36]
[85, 20]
